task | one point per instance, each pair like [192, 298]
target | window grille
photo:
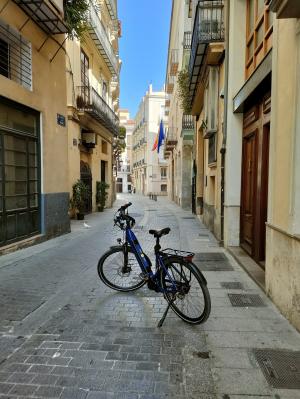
[15, 56]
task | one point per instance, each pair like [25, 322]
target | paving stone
[73, 393]
[40, 369]
[5, 387]
[21, 389]
[45, 379]
[49, 392]
[19, 378]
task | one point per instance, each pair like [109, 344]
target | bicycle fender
[116, 247]
[198, 271]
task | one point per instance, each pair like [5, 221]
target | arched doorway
[86, 178]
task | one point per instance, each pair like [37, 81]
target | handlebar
[124, 207]
[123, 219]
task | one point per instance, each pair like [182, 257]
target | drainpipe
[223, 148]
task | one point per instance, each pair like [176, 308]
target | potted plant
[79, 195]
[101, 194]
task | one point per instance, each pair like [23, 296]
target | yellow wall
[97, 73]
[283, 243]
[48, 97]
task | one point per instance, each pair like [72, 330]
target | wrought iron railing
[171, 134]
[99, 35]
[90, 101]
[15, 56]
[112, 8]
[208, 26]
[187, 122]
[48, 17]
[187, 40]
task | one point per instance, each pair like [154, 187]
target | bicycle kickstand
[161, 321]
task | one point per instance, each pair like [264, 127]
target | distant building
[93, 101]
[123, 177]
[149, 167]
[180, 135]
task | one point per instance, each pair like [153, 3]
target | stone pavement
[63, 334]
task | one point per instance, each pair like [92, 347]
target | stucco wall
[48, 96]
[283, 231]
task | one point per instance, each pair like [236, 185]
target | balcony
[171, 138]
[112, 8]
[187, 131]
[167, 102]
[208, 29]
[285, 8]
[47, 14]
[170, 84]
[99, 35]
[174, 62]
[89, 101]
[115, 87]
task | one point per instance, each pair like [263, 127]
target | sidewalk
[66, 335]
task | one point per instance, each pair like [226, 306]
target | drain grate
[215, 266]
[246, 300]
[210, 256]
[281, 368]
[232, 285]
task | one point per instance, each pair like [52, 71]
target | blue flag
[161, 135]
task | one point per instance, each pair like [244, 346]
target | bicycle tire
[199, 288]
[105, 278]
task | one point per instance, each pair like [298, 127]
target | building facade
[180, 132]
[93, 68]
[244, 96]
[206, 90]
[34, 192]
[124, 170]
[149, 167]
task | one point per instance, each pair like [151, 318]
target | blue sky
[143, 48]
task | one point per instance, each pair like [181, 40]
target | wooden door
[255, 172]
[249, 178]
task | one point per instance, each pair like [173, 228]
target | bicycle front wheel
[118, 276]
[190, 300]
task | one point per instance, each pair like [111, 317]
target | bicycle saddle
[160, 233]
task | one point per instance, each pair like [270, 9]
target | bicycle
[126, 267]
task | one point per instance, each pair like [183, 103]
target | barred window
[15, 56]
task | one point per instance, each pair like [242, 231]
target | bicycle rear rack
[176, 252]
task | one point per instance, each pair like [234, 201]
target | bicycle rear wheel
[191, 301]
[113, 274]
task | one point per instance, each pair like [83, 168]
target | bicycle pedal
[144, 276]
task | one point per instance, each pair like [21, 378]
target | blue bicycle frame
[146, 266]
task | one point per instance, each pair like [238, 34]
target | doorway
[86, 178]
[254, 187]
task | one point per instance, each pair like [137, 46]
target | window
[163, 188]
[104, 91]
[104, 147]
[211, 103]
[85, 65]
[15, 56]
[212, 149]
[163, 173]
[258, 33]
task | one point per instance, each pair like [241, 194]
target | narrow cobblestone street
[63, 334]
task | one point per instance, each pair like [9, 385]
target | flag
[161, 135]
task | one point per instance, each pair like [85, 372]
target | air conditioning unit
[88, 139]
